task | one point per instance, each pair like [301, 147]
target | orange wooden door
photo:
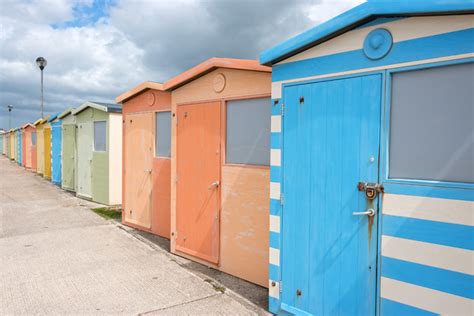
[198, 168]
[138, 150]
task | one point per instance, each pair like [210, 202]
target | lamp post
[10, 108]
[41, 62]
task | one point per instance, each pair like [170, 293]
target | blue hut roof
[53, 117]
[359, 15]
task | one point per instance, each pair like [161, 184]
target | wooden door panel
[139, 144]
[198, 167]
[331, 142]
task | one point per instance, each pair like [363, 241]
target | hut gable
[360, 15]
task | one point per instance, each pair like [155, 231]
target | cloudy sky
[98, 49]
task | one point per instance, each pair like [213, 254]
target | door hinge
[282, 199]
[281, 286]
[282, 109]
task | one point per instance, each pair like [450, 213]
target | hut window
[100, 136]
[431, 130]
[163, 134]
[248, 131]
[33, 138]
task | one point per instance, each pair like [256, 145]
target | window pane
[33, 138]
[163, 134]
[248, 131]
[100, 136]
[432, 130]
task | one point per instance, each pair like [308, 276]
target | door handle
[370, 212]
[214, 184]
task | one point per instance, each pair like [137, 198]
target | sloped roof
[101, 106]
[65, 113]
[53, 117]
[38, 121]
[211, 64]
[359, 15]
[26, 125]
[139, 89]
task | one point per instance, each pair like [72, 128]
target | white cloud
[138, 40]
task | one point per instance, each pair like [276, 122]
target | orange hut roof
[211, 64]
[139, 89]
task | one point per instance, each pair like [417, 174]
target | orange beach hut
[220, 164]
[146, 160]
[29, 146]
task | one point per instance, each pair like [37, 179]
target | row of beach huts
[338, 171]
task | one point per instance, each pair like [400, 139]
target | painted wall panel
[198, 202]
[47, 151]
[84, 158]
[68, 156]
[56, 152]
[40, 149]
[161, 197]
[139, 144]
[245, 222]
[19, 146]
[23, 147]
[100, 177]
[115, 158]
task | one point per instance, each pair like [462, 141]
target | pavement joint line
[246, 302]
[181, 304]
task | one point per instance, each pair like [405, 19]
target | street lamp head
[41, 62]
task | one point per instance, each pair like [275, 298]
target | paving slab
[58, 257]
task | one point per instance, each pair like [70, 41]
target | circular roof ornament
[219, 83]
[150, 98]
[377, 44]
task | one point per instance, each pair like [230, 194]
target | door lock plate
[371, 189]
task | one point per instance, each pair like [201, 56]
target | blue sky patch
[87, 14]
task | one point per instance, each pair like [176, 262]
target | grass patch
[217, 287]
[108, 212]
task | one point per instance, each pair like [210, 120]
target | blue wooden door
[56, 153]
[331, 142]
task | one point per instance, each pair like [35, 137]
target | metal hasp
[371, 189]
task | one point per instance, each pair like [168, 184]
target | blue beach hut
[372, 176]
[55, 149]
[18, 146]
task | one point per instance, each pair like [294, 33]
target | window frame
[430, 187]
[224, 104]
[93, 136]
[155, 147]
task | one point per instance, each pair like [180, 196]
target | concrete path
[58, 257]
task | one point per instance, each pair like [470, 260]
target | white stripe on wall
[274, 190]
[401, 30]
[433, 209]
[274, 290]
[276, 91]
[276, 124]
[358, 71]
[424, 298]
[275, 223]
[274, 256]
[444, 257]
[275, 155]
